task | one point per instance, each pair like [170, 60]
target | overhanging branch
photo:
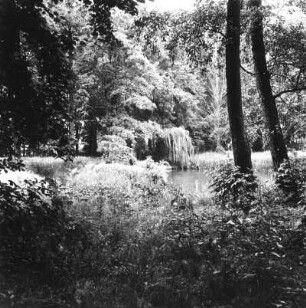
[289, 91]
[247, 71]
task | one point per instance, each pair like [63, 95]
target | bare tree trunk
[277, 145]
[216, 85]
[241, 148]
[77, 137]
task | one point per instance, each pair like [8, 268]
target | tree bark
[241, 148]
[276, 140]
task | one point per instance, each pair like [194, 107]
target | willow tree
[174, 145]
[179, 145]
[241, 148]
[277, 145]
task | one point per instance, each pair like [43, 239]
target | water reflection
[197, 182]
[191, 181]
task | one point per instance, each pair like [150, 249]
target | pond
[191, 181]
[197, 182]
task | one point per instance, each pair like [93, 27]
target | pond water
[197, 182]
[191, 181]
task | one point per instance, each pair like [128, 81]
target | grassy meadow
[114, 236]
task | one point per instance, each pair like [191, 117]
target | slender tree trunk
[277, 145]
[93, 139]
[241, 148]
[77, 137]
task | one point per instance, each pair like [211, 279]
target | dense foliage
[124, 238]
[78, 67]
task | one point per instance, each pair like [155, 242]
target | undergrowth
[120, 237]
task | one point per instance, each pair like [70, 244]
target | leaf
[279, 245]
[230, 222]
[247, 276]
[276, 254]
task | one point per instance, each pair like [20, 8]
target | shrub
[39, 241]
[118, 186]
[138, 135]
[123, 239]
[115, 150]
[114, 139]
[62, 148]
[141, 148]
[233, 189]
[290, 179]
[125, 133]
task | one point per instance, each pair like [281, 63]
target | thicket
[121, 237]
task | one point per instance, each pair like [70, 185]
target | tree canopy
[72, 69]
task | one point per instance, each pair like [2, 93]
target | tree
[285, 46]
[132, 81]
[35, 51]
[241, 149]
[277, 145]
[216, 86]
[34, 76]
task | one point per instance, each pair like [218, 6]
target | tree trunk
[77, 137]
[277, 145]
[241, 148]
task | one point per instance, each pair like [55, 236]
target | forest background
[137, 77]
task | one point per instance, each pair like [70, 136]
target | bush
[119, 237]
[290, 179]
[116, 186]
[233, 189]
[141, 148]
[38, 240]
[114, 149]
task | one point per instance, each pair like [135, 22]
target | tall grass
[209, 160]
[262, 161]
[130, 185]
[55, 168]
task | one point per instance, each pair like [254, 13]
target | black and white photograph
[152, 154]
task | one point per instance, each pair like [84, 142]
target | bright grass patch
[19, 177]
[55, 168]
